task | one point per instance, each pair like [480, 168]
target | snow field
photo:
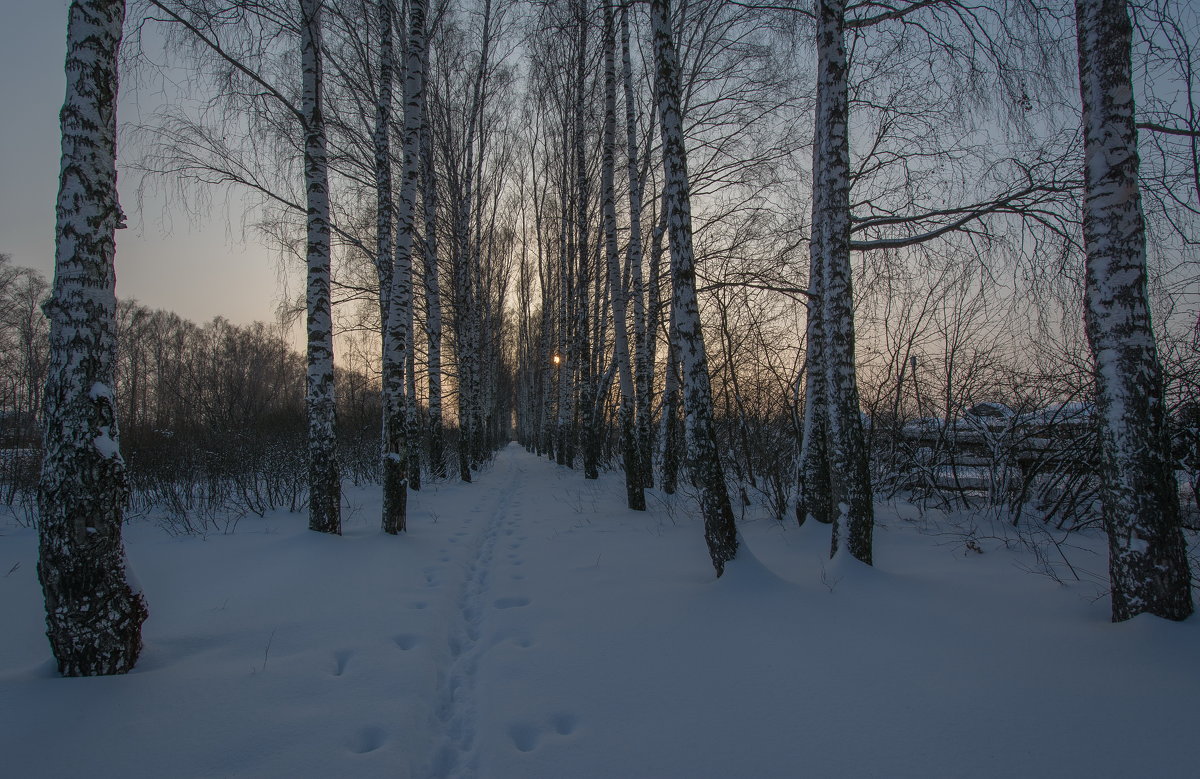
[528, 625]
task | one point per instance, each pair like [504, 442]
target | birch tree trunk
[565, 366]
[670, 410]
[850, 476]
[643, 354]
[94, 611]
[412, 410]
[585, 408]
[394, 430]
[462, 342]
[815, 498]
[654, 308]
[324, 482]
[399, 340]
[704, 461]
[634, 479]
[1148, 569]
[433, 293]
[412, 151]
[467, 283]
[381, 142]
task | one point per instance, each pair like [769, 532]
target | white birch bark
[1148, 568]
[398, 341]
[94, 610]
[669, 434]
[586, 389]
[634, 480]
[462, 335]
[466, 266]
[564, 366]
[394, 487]
[704, 461]
[643, 339]
[412, 411]
[324, 482]
[381, 142]
[412, 421]
[815, 497]
[461, 303]
[850, 477]
[433, 293]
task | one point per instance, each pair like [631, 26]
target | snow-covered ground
[529, 626]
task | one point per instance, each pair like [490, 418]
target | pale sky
[164, 261]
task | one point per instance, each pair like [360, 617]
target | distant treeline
[212, 416]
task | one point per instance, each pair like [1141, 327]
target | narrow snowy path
[487, 590]
[456, 708]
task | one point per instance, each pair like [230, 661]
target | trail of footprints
[456, 708]
[455, 714]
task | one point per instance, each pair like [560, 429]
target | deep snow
[529, 626]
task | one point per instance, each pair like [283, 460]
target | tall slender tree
[631, 456]
[388, 260]
[431, 281]
[324, 479]
[585, 408]
[94, 612]
[849, 468]
[399, 339]
[1148, 569]
[407, 244]
[643, 333]
[704, 460]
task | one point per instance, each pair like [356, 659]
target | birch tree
[643, 334]
[431, 281]
[957, 38]
[387, 262]
[433, 314]
[399, 320]
[324, 490]
[239, 40]
[94, 610]
[849, 471]
[585, 407]
[704, 461]
[631, 456]
[1148, 569]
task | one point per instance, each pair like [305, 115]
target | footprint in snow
[366, 740]
[511, 603]
[341, 659]
[406, 641]
[524, 736]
